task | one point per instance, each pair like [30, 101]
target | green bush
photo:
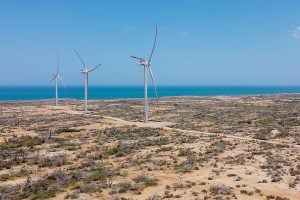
[23, 141]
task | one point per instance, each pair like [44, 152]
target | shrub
[260, 136]
[67, 130]
[45, 187]
[145, 180]
[23, 141]
[89, 187]
[100, 173]
[220, 189]
[55, 161]
[123, 187]
[185, 152]
[163, 149]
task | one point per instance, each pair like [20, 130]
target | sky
[200, 42]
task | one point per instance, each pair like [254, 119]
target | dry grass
[215, 148]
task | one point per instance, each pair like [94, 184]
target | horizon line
[165, 85]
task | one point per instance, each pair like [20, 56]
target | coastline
[136, 92]
[151, 98]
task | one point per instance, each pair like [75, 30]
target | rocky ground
[244, 147]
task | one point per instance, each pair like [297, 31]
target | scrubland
[245, 147]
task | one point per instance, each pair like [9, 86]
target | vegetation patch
[23, 141]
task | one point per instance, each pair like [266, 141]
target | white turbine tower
[85, 72]
[147, 66]
[57, 78]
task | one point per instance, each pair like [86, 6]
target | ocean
[121, 92]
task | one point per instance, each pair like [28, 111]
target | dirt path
[233, 137]
[165, 125]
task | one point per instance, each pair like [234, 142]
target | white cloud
[296, 33]
[184, 33]
[163, 28]
[127, 29]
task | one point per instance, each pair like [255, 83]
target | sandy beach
[225, 147]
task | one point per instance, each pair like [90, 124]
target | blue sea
[121, 92]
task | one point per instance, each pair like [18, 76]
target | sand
[244, 147]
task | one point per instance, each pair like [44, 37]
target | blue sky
[199, 42]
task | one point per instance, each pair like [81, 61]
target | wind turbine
[57, 78]
[86, 72]
[147, 66]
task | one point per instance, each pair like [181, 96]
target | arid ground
[245, 147]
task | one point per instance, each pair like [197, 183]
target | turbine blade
[60, 79]
[80, 58]
[153, 81]
[149, 60]
[57, 62]
[52, 79]
[94, 68]
[140, 59]
[154, 84]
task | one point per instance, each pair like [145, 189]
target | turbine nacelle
[145, 63]
[142, 61]
[84, 71]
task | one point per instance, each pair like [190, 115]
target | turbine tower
[85, 72]
[147, 66]
[57, 78]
